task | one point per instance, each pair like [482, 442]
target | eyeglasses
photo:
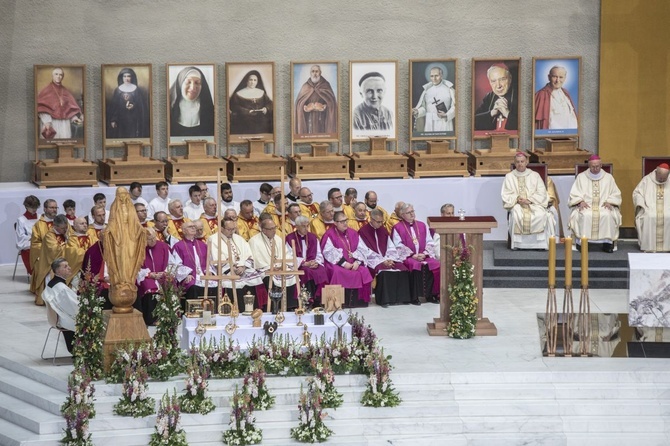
[377, 221]
[305, 196]
[342, 221]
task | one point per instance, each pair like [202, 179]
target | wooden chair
[649, 163]
[607, 167]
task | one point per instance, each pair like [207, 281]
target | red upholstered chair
[649, 163]
[607, 167]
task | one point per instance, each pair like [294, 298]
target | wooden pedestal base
[49, 173]
[122, 329]
[334, 166]
[560, 162]
[259, 168]
[180, 169]
[393, 165]
[451, 164]
[484, 327]
[482, 162]
[116, 171]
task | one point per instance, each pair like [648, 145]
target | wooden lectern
[256, 165]
[320, 164]
[450, 229]
[495, 160]
[378, 162]
[437, 161]
[196, 165]
[560, 155]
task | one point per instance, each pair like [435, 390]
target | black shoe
[416, 302]
[385, 305]
[435, 300]
[405, 303]
[608, 247]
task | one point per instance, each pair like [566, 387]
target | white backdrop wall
[94, 32]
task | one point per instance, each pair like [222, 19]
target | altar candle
[585, 262]
[552, 262]
[207, 317]
[568, 262]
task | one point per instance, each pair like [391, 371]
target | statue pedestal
[65, 170]
[122, 329]
[196, 165]
[321, 164]
[437, 161]
[132, 167]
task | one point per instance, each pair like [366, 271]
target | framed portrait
[556, 87]
[250, 94]
[374, 99]
[191, 102]
[432, 87]
[495, 97]
[315, 101]
[126, 104]
[59, 105]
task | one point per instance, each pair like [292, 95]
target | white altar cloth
[245, 332]
[649, 290]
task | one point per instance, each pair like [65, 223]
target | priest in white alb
[594, 206]
[652, 210]
[524, 195]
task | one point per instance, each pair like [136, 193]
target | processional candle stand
[584, 318]
[551, 311]
[568, 307]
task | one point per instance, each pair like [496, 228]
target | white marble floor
[23, 327]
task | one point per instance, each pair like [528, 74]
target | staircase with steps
[505, 268]
[549, 408]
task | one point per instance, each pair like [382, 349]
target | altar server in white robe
[62, 299]
[524, 195]
[594, 204]
[652, 210]
[242, 265]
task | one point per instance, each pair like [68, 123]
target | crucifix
[283, 271]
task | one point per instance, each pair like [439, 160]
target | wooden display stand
[196, 165]
[493, 161]
[437, 161]
[450, 229]
[132, 167]
[378, 163]
[64, 170]
[560, 155]
[256, 165]
[320, 164]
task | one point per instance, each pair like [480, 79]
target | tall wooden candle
[552, 262]
[568, 261]
[585, 262]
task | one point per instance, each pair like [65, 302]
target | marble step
[29, 417]
[32, 392]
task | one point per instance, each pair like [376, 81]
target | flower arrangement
[324, 379]
[311, 428]
[463, 294]
[78, 408]
[254, 382]
[149, 356]
[380, 391]
[89, 328]
[195, 400]
[168, 427]
[168, 316]
[135, 401]
[242, 429]
[226, 359]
